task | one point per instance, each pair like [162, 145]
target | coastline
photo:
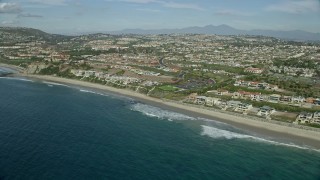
[12, 67]
[247, 123]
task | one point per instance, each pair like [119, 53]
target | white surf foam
[152, 111]
[220, 131]
[224, 134]
[18, 79]
[53, 83]
[92, 92]
[7, 70]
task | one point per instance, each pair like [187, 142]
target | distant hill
[10, 35]
[14, 34]
[295, 35]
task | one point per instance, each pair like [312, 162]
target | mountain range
[295, 35]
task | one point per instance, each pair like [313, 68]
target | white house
[265, 111]
[210, 101]
[233, 104]
[222, 92]
[274, 98]
[89, 73]
[254, 70]
[304, 117]
[297, 99]
[243, 107]
[201, 100]
[316, 118]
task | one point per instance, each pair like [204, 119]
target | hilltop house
[253, 85]
[254, 70]
[78, 73]
[222, 92]
[89, 73]
[246, 95]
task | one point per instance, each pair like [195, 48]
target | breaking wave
[219, 131]
[53, 83]
[18, 79]
[152, 111]
[7, 70]
[224, 134]
[92, 92]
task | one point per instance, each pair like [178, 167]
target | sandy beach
[296, 135]
[12, 67]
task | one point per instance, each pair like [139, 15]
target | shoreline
[272, 130]
[12, 67]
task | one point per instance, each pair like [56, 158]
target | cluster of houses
[273, 98]
[256, 85]
[254, 70]
[237, 106]
[106, 77]
[241, 107]
[293, 71]
[307, 118]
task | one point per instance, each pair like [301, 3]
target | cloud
[10, 8]
[9, 23]
[228, 12]
[29, 16]
[296, 6]
[140, 1]
[49, 2]
[169, 4]
[149, 10]
[181, 5]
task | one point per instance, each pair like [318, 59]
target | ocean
[54, 131]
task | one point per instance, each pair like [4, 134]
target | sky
[81, 16]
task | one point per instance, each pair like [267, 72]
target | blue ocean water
[51, 131]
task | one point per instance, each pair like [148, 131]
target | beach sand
[12, 67]
[272, 130]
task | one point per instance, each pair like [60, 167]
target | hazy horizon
[79, 16]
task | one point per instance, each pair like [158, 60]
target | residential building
[222, 92]
[210, 101]
[265, 111]
[192, 97]
[243, 107]
[304, 117]
[275, 98]
[233, 104]
[201, 100]
[89, 73]
[285, 98]
[297, 99]
[310, 100]
[316, 118]
[254, 70]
